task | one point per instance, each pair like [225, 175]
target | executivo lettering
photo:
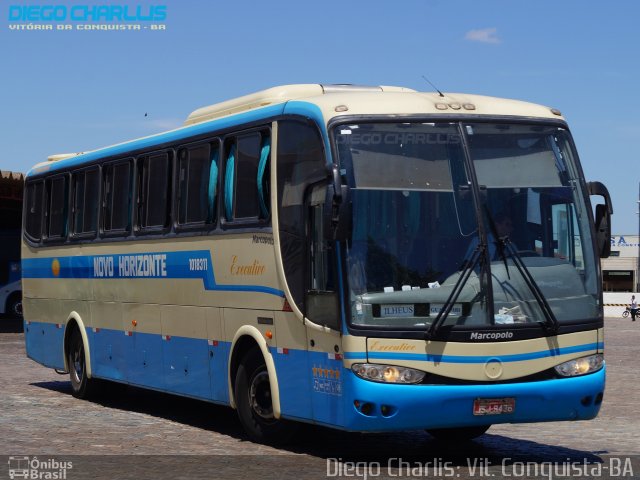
[491, 336]
[255, 268]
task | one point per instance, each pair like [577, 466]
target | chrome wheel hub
[260, 396]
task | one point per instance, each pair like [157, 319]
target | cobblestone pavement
[39, 417]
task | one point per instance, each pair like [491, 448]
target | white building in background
[620, 274]
[620, 270]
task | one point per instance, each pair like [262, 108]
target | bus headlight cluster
[581, 366]
[387, 373]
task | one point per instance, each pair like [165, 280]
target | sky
[70, 91]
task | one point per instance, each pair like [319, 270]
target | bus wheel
[254, 403]
[76, 358]
[14, 305]
[459, 434]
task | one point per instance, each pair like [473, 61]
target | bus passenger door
[314, 384]
[322, 308]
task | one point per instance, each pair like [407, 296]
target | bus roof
[358, 100]
[326, 102]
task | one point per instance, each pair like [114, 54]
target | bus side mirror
[603, 231]
[337, 213]
[603, 218]
[337, 208]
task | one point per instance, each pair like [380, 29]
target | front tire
[254, 403]
[460, 434]
[81, 384]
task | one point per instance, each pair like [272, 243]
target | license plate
[434, 309]
[397, 310]
[494, 406]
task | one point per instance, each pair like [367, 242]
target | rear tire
[460, 434]
[81, 385]
[254, 403]
[625, 314]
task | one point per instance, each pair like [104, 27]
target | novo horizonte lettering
[87, 13]
[151, 265]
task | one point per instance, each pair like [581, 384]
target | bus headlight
[387, 373]
[581, 366]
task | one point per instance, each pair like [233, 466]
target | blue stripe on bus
[185, 133]
[194, 264]
[297, 107]
[355, 355]
[520, 357]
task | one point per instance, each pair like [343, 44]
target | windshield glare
[415, 225]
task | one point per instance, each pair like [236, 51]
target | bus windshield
[417, 222]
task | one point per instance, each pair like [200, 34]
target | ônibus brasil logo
[33, 468]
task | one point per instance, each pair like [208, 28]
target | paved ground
[152, 435]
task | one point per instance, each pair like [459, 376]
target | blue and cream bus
[364, 258]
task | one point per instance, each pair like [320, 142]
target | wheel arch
[246, 338]
[75, 321]
[7, 302]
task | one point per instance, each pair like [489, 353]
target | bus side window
[229, 180]
[264, 174]
[56, 212]
[197, 184]
[212, 190]
[301, 163]
[85, 201]
[154, 192]
[116, 203]
[246, 184]
[33, 221]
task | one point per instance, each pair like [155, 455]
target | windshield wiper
[498, 241]
[551, 323]
[477, 254]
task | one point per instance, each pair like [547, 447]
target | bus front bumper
[375, 406]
